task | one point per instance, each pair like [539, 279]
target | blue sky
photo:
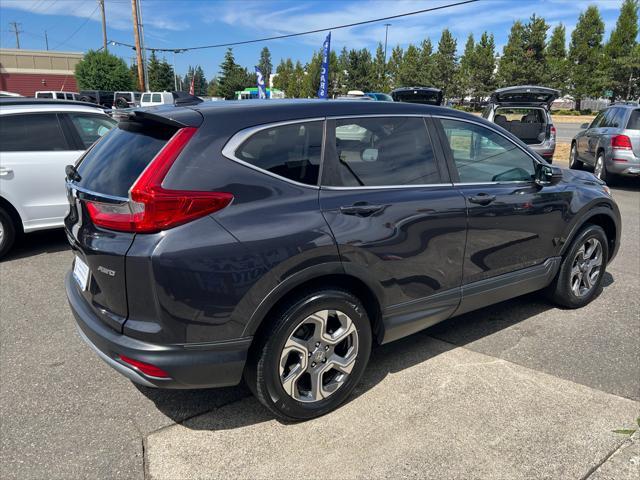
[74, 25]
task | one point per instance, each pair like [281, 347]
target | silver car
[610, 144]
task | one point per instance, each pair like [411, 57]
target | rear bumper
[218, 364]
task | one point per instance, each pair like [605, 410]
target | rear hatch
[525, 95]
[423, 95]
[98, 190]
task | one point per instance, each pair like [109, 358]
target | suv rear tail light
[152, 208]
[620, 142]
[553, 132]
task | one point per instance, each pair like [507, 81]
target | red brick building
[27, 71]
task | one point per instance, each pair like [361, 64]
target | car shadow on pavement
[37, 243]
[183, 405]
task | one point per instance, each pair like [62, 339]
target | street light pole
[384, 64]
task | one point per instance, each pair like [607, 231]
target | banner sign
[262, 91]
[324, 69]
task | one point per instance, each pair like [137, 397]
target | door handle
[482, 199]
[361, 210]
[5, 171]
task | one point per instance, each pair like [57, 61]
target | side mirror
[584, 126]
[547, 175]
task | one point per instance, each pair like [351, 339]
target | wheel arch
[327, 276]
[13, 213]
[604, 217]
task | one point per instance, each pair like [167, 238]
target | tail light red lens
[144, 367]
[152, 208]
[620, 142]
[553, 132]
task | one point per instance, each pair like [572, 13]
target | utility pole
[386, 35]
[136, 36]
[144, 50]
[46, 39]
[17, 32]
[104, 26]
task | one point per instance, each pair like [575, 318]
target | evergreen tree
[393, 67]
[409, 73]
[380, 79]
[484, 66]
[265, 65]
[212, 88]
[425, 72]
[556, 54]
[513, 53]
[160, 74]
[232, 77]
[283, 73]
[585, 51]
[342, 73]
[618, 60]
[466, 70]
[445, 64]
[359, 70]
[533, 69]
[103, 71]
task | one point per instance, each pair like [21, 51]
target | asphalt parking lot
[517, 390]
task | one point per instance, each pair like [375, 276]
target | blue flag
[324, 69]
[262, 91]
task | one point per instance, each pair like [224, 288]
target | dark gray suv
[610, 144]
[281, 240]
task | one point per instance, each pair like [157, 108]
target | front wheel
[574, 163]
[8, 232]
[312, 356]
[600, 170]
[581, 273]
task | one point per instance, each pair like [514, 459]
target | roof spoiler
[169, 115]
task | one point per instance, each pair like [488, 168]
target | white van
[58, 95]
[150, 99]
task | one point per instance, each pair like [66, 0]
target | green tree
[212, 88]
[380, 80]
[445, 64]
[484, 67]
[394, 65]
[533, 65]
[556, 54]
[103, 71]
[160, 74]
[284, 72]
[585, 52]
[465, 71]
[513, 53]
[232, 77]
[409, 73]
[425, 72]
[360, 70]
[265, 65]
[618, 60]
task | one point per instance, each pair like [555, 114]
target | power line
[308, 32]
[78, 29]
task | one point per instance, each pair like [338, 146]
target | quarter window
[31, 133]
[482, 155]
[291, 151]
[156, 98]
[91, 127]
[383, 152]
[634, 120]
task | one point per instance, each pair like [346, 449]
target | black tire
[8, 232]
[574, 163]
[263, 368]
[122, 102]
[560, 291]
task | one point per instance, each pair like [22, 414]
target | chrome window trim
[229, 149]
[386, 187]
[97, 195]
[378, 115]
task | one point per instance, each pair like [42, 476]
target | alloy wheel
[318, 356]
[599, 168]
[1, 234]
[586, 268]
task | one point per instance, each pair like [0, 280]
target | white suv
[38, 138]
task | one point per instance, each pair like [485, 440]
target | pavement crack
[593, 469]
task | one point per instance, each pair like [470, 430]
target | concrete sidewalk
[425, 409]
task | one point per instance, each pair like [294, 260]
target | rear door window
[113, 164]
[37, 132]
[383, 151]
[91, 127]
[634, 120]
[481, 155]
[156, 98]
[146, 97]
[290, 151]
[618, 118]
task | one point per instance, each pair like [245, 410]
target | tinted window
[598, 120]
[291, 151]
[634, 120]
[119, 158]
[146, 97]
[618, 118]
[156, 98]
[481, 155]
[91, 127]
[383, 151]
[31, 133]
[45, 95]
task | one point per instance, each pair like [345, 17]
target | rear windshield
[634, 120]
[420, 96]
[119, 158]
[44, 95]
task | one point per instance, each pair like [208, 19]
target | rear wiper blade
[72, 173]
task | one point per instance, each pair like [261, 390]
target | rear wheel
[581, 273]
[7, 232]
[600, 170]
[312, 356]
[574, 163]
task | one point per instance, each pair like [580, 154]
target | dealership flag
[324, 69]
[262, 92]
[192, 87]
